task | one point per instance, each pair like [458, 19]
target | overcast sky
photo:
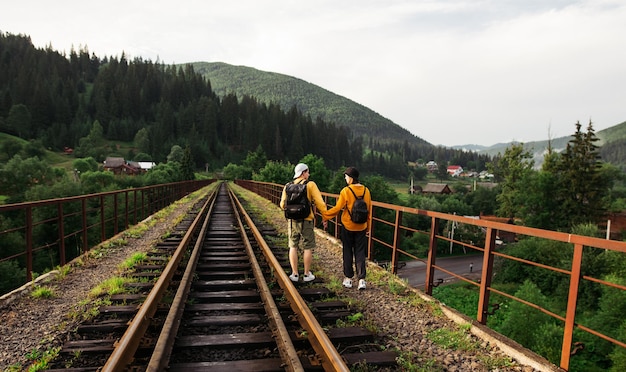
[450, 71]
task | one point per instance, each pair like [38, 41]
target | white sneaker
[293, 277]
[347, 282]
[309, 277]
[361, 283]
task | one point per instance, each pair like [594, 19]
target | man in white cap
[301, 232]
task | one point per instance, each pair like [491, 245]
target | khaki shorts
[301, 234]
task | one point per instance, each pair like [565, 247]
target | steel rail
[165, 343]
[285, 346]
[329, 357]
[127, 345]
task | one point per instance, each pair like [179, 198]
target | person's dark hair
[352, 172]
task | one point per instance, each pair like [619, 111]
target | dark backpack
[297, 206]
[359, 212]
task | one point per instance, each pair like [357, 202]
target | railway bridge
[83, 225]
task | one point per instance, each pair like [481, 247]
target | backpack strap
[307, 189]
[356, 197]
[350, 188]
[353, 193]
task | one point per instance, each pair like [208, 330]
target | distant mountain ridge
[612, 140]
[315, 101]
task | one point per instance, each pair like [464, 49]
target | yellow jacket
[345, 201]
[312, 193]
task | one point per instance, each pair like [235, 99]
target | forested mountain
[312, 100]
[81, 100]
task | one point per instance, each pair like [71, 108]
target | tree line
[57, 99]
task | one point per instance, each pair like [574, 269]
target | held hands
[324, 219]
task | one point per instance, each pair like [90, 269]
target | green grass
[110, 286]
[42, 292]
[59, 160]
[54, 159]
[64, 271]
[131, 262]
[401, 188]
[411, 362]
[453, 339]
[40, 361]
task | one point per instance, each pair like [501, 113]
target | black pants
[354, 248]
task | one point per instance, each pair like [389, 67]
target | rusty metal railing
[388, 229]
[35, 237]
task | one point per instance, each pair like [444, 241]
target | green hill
[312, 100]
[55, 159]
[612, 134]
[612, 141]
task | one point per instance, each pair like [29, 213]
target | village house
[120, 166]
[436, 188]
[484, 175]
[455, 170]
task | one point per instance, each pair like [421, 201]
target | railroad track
[215, 296]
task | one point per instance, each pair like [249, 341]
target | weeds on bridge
[410, 362]
[493, 363]
[43, 291]
[132, 261]
[111, 286]
[63, 271]
[454, 339]
[40, 360]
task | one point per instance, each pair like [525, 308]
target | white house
[146, 165]
[431, 166]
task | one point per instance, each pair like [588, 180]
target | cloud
[452, 72]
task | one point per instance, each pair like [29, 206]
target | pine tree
[584, 186]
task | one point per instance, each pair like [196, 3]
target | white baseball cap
[301, 167]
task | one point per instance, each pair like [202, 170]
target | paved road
[467, 265]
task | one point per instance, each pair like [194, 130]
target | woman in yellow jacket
[353, 235]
